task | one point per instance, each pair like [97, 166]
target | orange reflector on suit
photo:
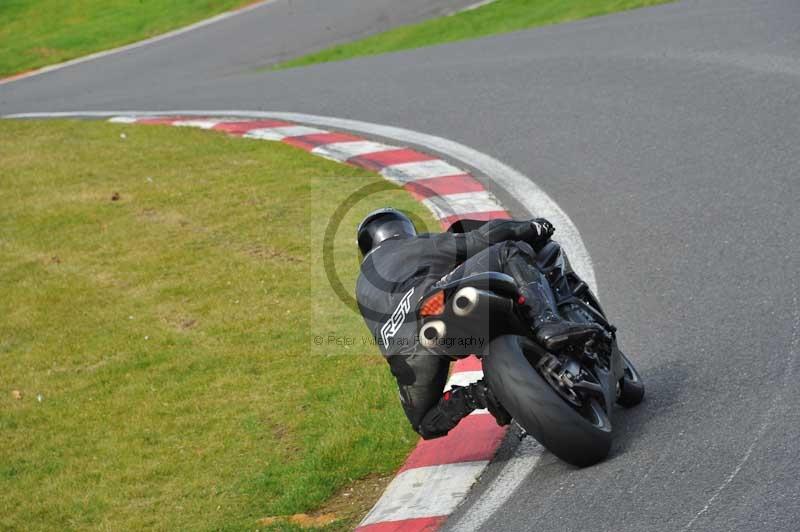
[433, 306]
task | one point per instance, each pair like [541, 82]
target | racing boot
[550, 330]
[458, 403]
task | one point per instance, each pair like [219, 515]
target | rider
[399, 266]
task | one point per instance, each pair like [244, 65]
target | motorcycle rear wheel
[580, 436]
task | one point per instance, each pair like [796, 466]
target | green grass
[169, 332]
[35, 33]
[500, 16]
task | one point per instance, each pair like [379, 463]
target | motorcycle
[564, 400]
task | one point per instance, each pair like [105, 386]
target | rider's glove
[543, 228]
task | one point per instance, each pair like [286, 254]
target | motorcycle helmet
[381, 225]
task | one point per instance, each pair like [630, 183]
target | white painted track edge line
[526, 457]
[134, 45]
[535, 200]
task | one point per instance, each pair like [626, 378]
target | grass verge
[160, 291]
[35, 33]
[500, 16]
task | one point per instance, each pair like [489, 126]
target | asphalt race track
[670, 135]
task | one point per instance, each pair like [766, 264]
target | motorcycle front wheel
[579, 434]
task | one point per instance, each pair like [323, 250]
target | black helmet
[381, 225]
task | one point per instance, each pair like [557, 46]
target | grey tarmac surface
[249, 42]
[670, 136]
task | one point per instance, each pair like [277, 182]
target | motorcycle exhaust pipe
[468, 301]
[431, 332]
[465, 301]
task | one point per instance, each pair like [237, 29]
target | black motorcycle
[563, 400]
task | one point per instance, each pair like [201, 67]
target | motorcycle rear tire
[540, 410]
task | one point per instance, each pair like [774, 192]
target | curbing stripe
[201, 123]
[341, 151]
[309, 142]
[442, 186]
[159, 120]
[380, 160]
[468, 364]
[280, 133]
[421, 524]
[461, 203]
[444, 487]
[403, 173]
[240, 128]
[438, 473]
[462, 444]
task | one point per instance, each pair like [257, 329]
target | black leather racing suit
[395, 276]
